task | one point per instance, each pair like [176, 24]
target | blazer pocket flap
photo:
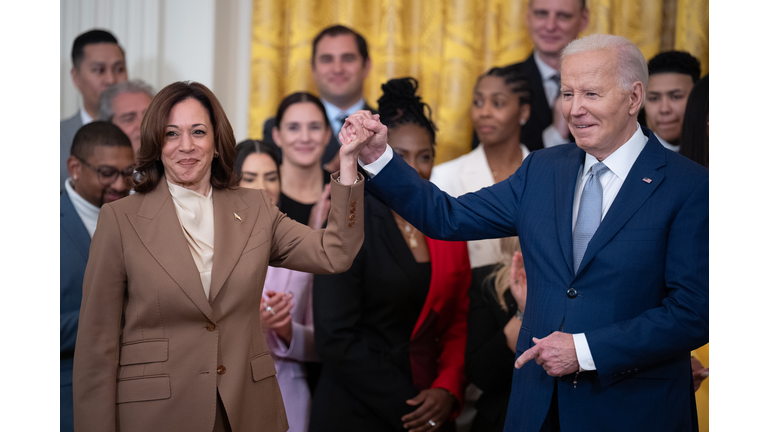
[262, 367]
[144, 389]
[256, 240]
[149, 351]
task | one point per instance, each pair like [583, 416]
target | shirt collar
[333, 111]
[84, 117]
[621, 160]
[88, 212]
[545, 70]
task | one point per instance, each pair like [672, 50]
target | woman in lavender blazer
[286, 306]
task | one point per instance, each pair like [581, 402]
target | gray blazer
[68, 128]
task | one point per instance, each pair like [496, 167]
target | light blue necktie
[590, 213]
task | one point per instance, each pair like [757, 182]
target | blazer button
[210, 326]
[571, 293]
[354, 203]
[351, 224]
[221, 369]
[352, 217]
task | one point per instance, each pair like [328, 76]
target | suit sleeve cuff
[586, 363]
[551, 137]
[376, 166]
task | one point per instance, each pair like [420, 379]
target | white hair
[631, 62]
[108, 95]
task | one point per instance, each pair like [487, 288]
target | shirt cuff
[376, 166]
[551, 137]
[582, 353]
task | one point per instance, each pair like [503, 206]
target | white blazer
[470, 173]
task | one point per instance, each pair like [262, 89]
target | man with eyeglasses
[100, 161]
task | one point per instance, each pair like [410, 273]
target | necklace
[411, 233]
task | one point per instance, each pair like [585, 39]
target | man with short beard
[100, 160]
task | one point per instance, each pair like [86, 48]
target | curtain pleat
[444, 44]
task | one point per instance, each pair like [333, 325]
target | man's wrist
[376, 166]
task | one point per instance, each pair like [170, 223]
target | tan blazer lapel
[233, 223]
[159, 229]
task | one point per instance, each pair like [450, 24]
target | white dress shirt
[334, 112]
[550, 136]
[84, 117]
[551, 89]
[619, 163]
[88, 212]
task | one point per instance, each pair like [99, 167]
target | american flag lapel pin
[647, 180]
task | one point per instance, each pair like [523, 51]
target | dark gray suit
[67, 130]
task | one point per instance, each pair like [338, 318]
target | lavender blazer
[289, 359]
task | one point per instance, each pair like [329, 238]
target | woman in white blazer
[500, 107]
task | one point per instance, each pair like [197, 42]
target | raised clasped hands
[371, 144]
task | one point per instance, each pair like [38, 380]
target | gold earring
[215, 154]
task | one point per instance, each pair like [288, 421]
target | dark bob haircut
[149, 166]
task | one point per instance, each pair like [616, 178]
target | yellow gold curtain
[445, 44]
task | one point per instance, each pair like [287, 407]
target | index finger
[526, 356]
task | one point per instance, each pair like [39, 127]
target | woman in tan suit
[170, 337]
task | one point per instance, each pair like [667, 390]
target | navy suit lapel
[73, 226]
[565, 181]
[633, 194]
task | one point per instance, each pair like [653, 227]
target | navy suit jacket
[73, 254]
[641, 295]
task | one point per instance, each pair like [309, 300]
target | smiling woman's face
[188, 148]
[302, 135]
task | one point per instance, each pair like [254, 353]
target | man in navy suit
[100, 159]
[614, 230]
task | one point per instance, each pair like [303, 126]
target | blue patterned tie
[590, 213]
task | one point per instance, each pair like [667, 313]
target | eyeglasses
[108, 174]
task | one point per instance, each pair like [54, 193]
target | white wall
[169, 40]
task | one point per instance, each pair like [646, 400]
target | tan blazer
[152, 351]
